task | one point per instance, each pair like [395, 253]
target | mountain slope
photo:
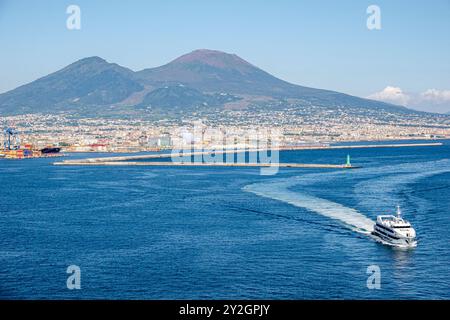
[185, 97]
[200, 78]
[87, 82]
[208, 70]
[215, 71]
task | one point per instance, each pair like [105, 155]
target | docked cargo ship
[14, 149]
[49, 150]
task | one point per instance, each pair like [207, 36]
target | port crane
[11, 140]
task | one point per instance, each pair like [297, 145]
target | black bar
[226, 309]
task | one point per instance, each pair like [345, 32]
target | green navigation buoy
[348, 164]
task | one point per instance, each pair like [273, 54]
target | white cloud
[437, 96]
[391, 94]
[431, 100]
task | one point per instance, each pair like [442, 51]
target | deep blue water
[225, 233]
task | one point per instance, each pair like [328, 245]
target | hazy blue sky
[323, 44]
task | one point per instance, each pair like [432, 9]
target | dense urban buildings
[296, 126]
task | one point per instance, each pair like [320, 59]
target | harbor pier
[206, 164]
[177, 157]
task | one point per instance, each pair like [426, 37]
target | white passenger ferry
[395, 231]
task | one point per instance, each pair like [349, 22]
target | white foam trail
[278, 191]
[388, 187]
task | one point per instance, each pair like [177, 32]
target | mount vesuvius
[200, 79]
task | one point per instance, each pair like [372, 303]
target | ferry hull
[400, 243]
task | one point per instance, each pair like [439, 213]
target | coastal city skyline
[73, 110]
[380, 65]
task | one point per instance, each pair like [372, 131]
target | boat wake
[378, 182]
[279, 191]
[392, 182]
